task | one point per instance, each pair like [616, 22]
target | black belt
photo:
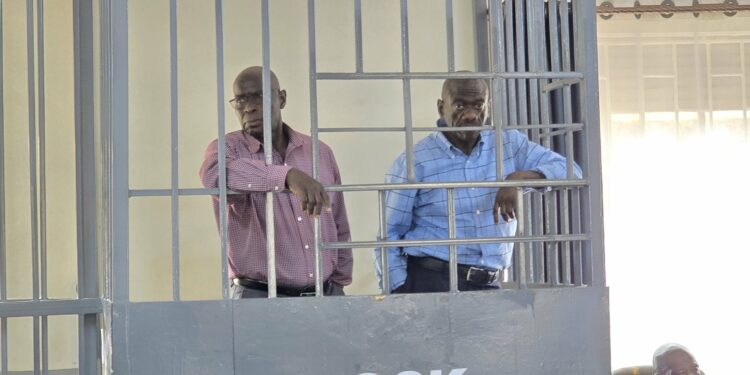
[287, 291]
[474, 275]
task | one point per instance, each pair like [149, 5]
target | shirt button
[275, 188]
[299, 218]
[249, 185]
[309, 275]
[307, 247]
[285, 164]
[478, 212]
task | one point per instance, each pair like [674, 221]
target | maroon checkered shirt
[247, 172]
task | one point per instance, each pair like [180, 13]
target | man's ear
[440, 107]
[282, 99]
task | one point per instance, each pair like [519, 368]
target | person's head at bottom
[675, 359]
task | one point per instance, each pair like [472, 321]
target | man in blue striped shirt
[480, 212]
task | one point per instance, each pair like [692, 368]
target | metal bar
[50, 307]
[3, 268]
[519, 75]
[498, 95]
[42, 150]
[4, 345]
[175, 202]
[521, 60]
[458, 241]
[449, 35]
[268, 149]
[512, 103]
[575, 210]
[314, 122]
[32, 149]
[86, 184]
[452, 251]
[445, 185]
[452, 129]
[33, 175]
[481, 37]
[357, 34]
[386, 275]
[670, 9]
[115, 24]
[521, 272]
[44, 360]
[370, 187]
[586, 60]
[409, 136]
[219, 23]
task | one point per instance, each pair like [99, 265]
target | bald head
[255, 73]
[475, 86]
[675, 358]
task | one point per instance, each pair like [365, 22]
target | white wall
[675, 136]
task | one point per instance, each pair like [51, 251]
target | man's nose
[250, 107]
[470, 115]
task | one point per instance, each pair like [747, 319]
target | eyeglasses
[240, 101]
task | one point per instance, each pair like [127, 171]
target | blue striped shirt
[422, 214]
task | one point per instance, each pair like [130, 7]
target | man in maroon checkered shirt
[298, 199]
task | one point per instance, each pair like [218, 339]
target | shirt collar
[295, 140]
[452, 150]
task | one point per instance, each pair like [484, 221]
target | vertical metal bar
[552, 249]
[511, 64]
[3, 268]
[42, 150]
[86, 181]
[3, 274]
[521, 61]
[498, 84]
[42, 180]
[175, 155]
[268, 149]
[32, 148]
[314, 126]
[586, 60]
[386, 275]
[574, 210]
[481, 37]
[449, 35]
[522, 275]
[531, 50]
[116, 23]
[357, 33]
[452, 251]
[222, 150]
[33, 173]
[409, 138]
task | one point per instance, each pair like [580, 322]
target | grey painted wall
[547, 331]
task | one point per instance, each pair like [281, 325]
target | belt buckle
[492, 275]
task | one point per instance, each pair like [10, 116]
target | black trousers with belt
[420, 279]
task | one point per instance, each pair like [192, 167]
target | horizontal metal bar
[574, 126]
[25, 308]
[446, 185]
[375, 187]
[459, 241]
[168, 192]
[431, 75]
[608, 8]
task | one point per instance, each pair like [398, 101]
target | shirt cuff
[277, 177]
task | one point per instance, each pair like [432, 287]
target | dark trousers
[423, 280]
